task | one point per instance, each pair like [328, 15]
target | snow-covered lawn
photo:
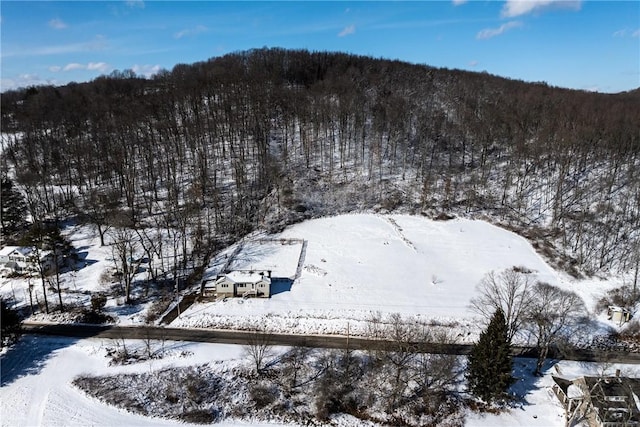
[360, 264]
[37, 373]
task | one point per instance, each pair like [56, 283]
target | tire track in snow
[398, 230]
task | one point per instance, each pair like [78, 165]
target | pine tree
[12, 207]
[9, 325]
[489, 368]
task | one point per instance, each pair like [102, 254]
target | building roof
[614, 398]
[562, 383]
[23, 250]
[7, 250]
[608, 386]
[617, 308]
[241, 276]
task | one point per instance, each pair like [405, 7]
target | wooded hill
[268, 137]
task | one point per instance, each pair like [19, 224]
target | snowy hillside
[356, 265]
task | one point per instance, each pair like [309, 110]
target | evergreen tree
[10, 324]
[12, 207]
[489, 368]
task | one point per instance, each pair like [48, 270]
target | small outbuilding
[618, 314]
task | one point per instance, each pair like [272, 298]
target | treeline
[270, 136]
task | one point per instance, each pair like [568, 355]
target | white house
[240, 283]
[23, 259]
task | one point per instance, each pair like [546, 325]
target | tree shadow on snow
[82, 261]
[525, 380]
[251, 255]
[29, 356]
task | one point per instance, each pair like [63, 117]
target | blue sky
[591, 45]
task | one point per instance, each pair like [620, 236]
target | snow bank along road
[317, 341]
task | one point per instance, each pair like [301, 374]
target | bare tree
[294, 362]
[99, 205]
[259, 349]
[554, 314]
[509, 291]
[125, 256]
[398, 356]
[436, 374]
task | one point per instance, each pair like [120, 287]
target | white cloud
[24, 80]
[191, 31]
[73, 66]
[135, 4]
[473, 63]
[57, 24]
[146, 70]
[98, 43]
[487, 33]
[351, 29]
[513, 8]
[459, 2]
[627, 33]
[103, 67]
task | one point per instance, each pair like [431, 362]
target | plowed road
[317, 341]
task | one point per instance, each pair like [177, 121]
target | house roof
[623, 408]
[562, 383]
[608, 386]
[241, 276]
[22, 250]
[616, 308]
[7, 250]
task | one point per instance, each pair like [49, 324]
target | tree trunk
[44, 293]
[542, 356]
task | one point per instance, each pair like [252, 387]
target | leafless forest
[210, 151]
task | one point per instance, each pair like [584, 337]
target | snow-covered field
[356, 265]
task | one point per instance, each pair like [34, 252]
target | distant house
[24, 259]
[618, 314]
[600, 401]
[239, 283]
